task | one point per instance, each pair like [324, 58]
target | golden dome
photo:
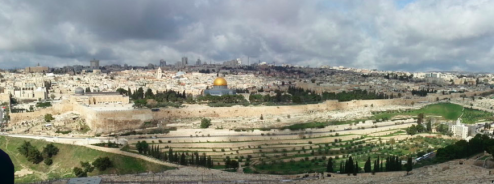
[220, 81]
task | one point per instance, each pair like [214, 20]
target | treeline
[349, 166]
[162, 99]
[462, 148]
[356, 95]
[423, 92]
[206, 71]
[303, 96]
[184, 158]
[293, 95]
[300, 95]
[221, 99]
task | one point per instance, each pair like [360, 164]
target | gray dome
[79, 91]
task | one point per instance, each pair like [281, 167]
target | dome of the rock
[220, 81]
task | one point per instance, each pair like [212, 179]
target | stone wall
[54, 110]
[112, 121]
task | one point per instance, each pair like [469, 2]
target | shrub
[49, 117]
[102, 163]
[48, 161]
[205, 123]
[50, 150]
[78, 172]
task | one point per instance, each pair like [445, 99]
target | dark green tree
[48, 161]
[205, 123]
[78, 172]
[429, 125]
[367, 166]
[50, 150]
[409, 165]
[149, 94]
[329, 166]
[102, 163]
[170, 155]
[182, 159]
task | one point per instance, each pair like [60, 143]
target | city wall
[113, 121]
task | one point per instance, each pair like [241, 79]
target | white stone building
[459, 130]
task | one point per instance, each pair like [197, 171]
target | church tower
[159, 73]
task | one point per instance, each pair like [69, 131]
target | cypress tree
[378, 166]
[209, 162]
[398, 162]
[409, 165]
[367, 166]
[355, 171]
[198, 163]
[182, 159]
[388, 161]
[170, 155]
[329, 167]
[350, 166]
[375, 167]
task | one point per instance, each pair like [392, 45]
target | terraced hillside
[294, 152]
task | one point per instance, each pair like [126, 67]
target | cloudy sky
[408, 35]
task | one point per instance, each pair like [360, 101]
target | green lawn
[448, 111]
[68, 157]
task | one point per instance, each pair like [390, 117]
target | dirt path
[120, 152]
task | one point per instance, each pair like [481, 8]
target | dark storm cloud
[382, 34]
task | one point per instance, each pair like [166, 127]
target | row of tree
[162, 96]
[229, 99]
[193, 159]
[355, 95]
[423, 92]
[392, 163]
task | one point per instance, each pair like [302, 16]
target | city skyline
[400, 35]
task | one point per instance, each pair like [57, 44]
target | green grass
[448, 111]
[68, 157]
